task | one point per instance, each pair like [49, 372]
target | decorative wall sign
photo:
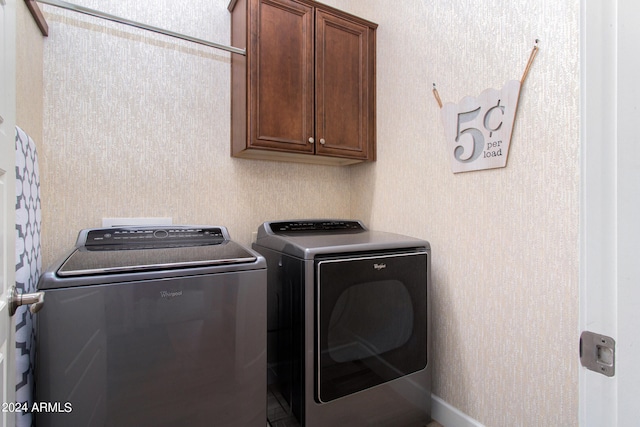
[478, 129]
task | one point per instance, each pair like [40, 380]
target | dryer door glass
[371, 321]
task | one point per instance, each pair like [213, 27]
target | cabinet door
[281, 76]
[342, 87]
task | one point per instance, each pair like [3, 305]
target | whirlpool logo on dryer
[380, 266]
[170, 294]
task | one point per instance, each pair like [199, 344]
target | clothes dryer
[348, 329]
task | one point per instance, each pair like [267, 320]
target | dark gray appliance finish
[348, 322]
[159, 326]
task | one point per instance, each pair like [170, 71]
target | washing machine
[348, 322]
[153, 326]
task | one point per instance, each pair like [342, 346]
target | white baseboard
[450, 416]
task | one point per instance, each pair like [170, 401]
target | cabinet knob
[311, 140]
[322, 141]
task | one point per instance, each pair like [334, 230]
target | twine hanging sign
[478, 129]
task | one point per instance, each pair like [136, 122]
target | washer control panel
[154, 236]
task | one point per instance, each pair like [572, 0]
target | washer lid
[127, 249]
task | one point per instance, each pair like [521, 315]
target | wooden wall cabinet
[306, 90]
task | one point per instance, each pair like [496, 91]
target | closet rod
[98, 14]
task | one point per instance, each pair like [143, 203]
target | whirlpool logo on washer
[380, 266]
[170, 294]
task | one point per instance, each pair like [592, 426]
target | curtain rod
[113, 18]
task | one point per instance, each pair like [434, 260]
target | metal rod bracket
[34, 300]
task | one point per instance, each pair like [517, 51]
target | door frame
[7, 205]
[610, 185]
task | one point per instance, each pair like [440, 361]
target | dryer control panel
[316, 226]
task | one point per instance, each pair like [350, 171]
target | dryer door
[371, 321]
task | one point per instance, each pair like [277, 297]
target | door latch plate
[598, 353]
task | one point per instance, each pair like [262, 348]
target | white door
[610, 244]
[7, 206]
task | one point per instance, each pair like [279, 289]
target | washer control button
[160, 234]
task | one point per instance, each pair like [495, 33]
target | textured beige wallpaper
[138, 125]
[504, 241]
[29, 77]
